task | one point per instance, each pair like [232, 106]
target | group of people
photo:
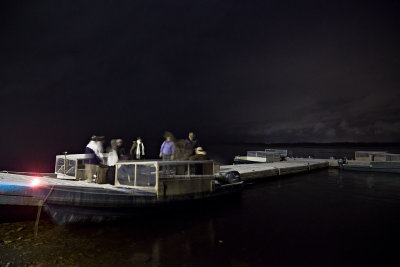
[188, 149]
[102, 165]
[114, 152]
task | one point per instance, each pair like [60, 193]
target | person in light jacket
[167, 150]
[112, 159]
[93, 159]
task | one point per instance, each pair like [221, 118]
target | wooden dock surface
[249, 172]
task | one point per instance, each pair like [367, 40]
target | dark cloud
[262, 71]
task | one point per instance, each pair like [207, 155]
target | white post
[157, 176]
[65, 163]
[134, 183]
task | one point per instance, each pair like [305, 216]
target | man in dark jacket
[200, 155]
[201, 168]
[137, 149]
[191, 143]
[121, 150]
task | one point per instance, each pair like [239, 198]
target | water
[323, 218]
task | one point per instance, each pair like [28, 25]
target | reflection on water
[340, 180]
[370, 181]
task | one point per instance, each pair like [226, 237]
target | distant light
[35, 182]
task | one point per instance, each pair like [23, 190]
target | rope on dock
[40, 205]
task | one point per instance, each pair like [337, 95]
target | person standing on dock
[137, 149]
[191, 143]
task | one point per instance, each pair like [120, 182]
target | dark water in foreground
[323, 218]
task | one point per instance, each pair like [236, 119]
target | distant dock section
[374, 161]
[254, 171]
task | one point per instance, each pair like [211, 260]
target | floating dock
[251, 172]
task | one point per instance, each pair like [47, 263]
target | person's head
[199, 151]
[169, 135]
[139, 139]
[102, 139]
[119, 142]
[94, 138]
[113, 143]
[192, 136]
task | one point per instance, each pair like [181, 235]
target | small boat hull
[67, 213]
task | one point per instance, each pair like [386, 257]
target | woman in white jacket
[112, 159]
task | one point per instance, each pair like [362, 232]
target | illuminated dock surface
[254, 171]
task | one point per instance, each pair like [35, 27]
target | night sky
[232, 71]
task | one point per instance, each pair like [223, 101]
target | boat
[139, 187]
[374, 161]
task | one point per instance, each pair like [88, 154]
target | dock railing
[166, 177]
[282, 152]
[376, 156]
[263, 156]
[72, 166]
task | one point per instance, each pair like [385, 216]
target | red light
[35, 182]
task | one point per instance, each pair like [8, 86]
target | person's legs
[90, 172]
[102, 175]
[166, 168]
[111, 175]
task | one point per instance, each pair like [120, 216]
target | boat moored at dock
[140, 186]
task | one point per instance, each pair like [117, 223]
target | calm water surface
[323, 218]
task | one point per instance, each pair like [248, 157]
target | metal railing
[376, 156]
[73, 165]
[281, 152]
[149, 173]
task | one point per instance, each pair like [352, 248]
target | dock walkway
[249, 172]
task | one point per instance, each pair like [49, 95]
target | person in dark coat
[205, 168]
[121, 150]
[191, 143]
[200, 154]
[137, 149]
